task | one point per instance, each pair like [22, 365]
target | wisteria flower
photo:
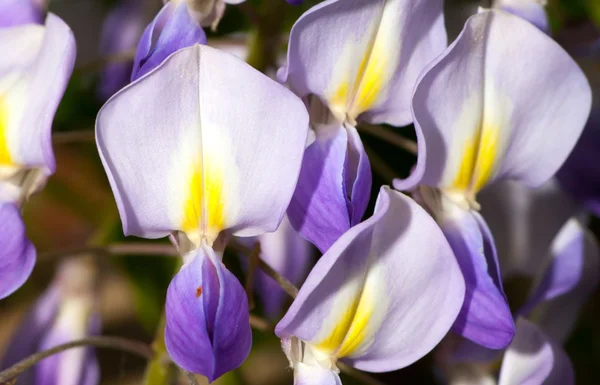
[203, 147]
[353, 61]
[29, 97]
[486, 110]
[384, 294]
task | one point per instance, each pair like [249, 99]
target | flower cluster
[200, 147]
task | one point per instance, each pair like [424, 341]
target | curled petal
[485, 317]
[531, 10]
[333, 188]
[364, 56]
[315, 375]
[207, 329]
[378, 298]
[486, 107]
[20, 12]
[171, 30]
[524, 222]
[533, 359]
[28, 95]
[209, 170]
[17, 254]
[566, 283]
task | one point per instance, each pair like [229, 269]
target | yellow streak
[351, 329]
[5, 157]
[204, 213]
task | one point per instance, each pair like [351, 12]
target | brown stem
[73, 137]
[390, 137]
[252, 266]
[99, 63]
[137, 248]
[286, 285]
[139, 348]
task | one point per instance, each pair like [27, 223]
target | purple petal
[20, 12]
[580, 175]
[17, 254]
[290, 255]
[357, 176]
[207, 328]
[485, 317]
[530, 10]
[381, 285]
[171, 30]
[364, 57]
[524, 222]
[483, 93]
[121, 32]
[567, 282]
[320, 209]
[533, 359]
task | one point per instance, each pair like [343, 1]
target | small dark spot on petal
[198, 291]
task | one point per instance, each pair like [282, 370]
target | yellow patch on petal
[204, 213]
[351, 329]
[5, 157]
[355, 90]
[482, 150]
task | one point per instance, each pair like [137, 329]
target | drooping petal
[222, 156]
[207, 329]
[533, 359]
[17, 254]
[486, 107]
[524, 222]
[28, 95]
[328, 199]
[20, 12]
[121, 32]
[378, 298]
[290, 255]
[531, 10]
[364, 56]
[485, 317]
[580, 175]
[566, 283]
[171, 30]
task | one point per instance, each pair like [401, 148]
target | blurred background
[77, 206]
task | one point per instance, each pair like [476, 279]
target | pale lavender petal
[290, 255]
[207, 330]
[19, 12]
[524, 221]
[485, 112]
[533, 359]
[357, 176]
[17, 254]
[398, 297]
[364, 57]
[171, 30]
[121, 32]
[251, 155]
[531, 10]
[29, 97]
[580, 175]
[319, 209]
[485, 317]
[565, 285]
